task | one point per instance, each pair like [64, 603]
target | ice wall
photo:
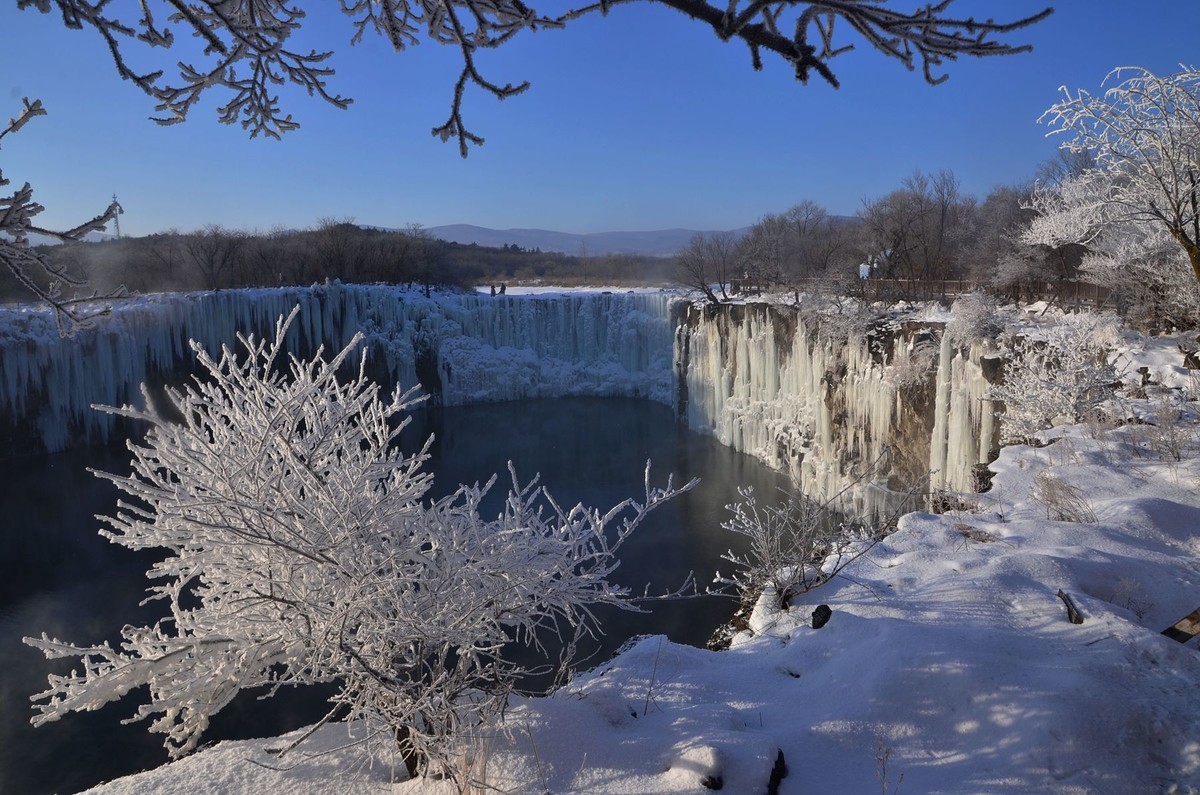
[760, 380]
[462, 348]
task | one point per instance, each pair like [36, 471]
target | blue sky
[641, 120]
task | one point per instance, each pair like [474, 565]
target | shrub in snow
[1062, 501]
[975, 316]
[1056, 376]
[911, 370]
[301, 548]
[835, 320]
[795, 546]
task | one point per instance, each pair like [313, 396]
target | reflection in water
[61, 578]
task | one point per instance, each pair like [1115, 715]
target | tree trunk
[1190, 247]
[411, 759]
[1193, 252]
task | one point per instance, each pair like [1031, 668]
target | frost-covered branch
[247, 44]
[800, 544]
[29, 266]
[804, 34]
[301, 547]
[1055, 375]
[1143, 133]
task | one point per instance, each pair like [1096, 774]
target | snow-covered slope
[948, 666]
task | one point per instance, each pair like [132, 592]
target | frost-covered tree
[974, 317]
[1140, 261]
[1149, 276]
[1055, 375]
[794, 546]
[247, 49]
[29, 266]
[301, 547]
[1143, 135]
[798, 544]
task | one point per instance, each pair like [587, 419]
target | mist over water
[59, 577]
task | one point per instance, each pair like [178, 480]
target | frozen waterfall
[754, 376]
[763, 382]
[461, 348]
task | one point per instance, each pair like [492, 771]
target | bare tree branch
[245, 43]
[29, 266]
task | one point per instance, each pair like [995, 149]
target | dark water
[58, 576]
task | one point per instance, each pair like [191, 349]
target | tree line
[926, 230]
[217, 257]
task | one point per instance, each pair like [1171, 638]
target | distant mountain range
[660, 243]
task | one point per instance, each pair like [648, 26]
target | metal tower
[117, 216]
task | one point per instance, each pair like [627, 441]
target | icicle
[938, 475]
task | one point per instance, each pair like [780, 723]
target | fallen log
[1073, 614]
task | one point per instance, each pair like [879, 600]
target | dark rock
[981, 478]
[712, 782]
[1191, 360]
[993, 368]
[820, 616]
[778, 774]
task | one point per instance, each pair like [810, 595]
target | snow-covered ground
[948, 666]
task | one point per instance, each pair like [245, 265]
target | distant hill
[660, 243]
